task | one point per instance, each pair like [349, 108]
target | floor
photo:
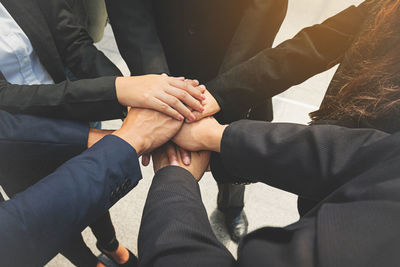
[265, 206]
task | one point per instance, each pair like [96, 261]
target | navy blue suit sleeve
[40, 220]
[25, 137]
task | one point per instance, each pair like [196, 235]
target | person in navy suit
[38, 222]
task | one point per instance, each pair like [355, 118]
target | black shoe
[132, 261]
[237, 225]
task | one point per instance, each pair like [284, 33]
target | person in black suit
[353, 173]
[363, 92]
[39, 221]
[200, 39]
[60, 43]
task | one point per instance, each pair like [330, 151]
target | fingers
[172, 154]
[177, 105]
[165, 108]
[146, 159]
[185, 156]
[186, 98]
[187, 86]
[202, 88]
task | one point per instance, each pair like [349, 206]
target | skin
[145, 130]
[205, 134]
[211, 106]
[175, 97]
[198, 166]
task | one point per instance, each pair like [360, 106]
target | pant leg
[304, 205]
[230, 197]
[78, 253]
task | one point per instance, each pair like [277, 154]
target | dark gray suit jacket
[352, 173]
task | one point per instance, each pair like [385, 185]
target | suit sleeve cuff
[122, 158]
[176, 180]
[221, 162]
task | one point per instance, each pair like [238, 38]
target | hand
[201, 135]
[146, 130]
[168, 155]
[210, 105]
[185, 156]
[171, 96]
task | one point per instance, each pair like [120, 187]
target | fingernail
[202, 109]
[192, 117]
[175, 163]
[181, 118]
[202, 86]
[203, 97]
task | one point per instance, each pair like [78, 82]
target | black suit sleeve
[248, 43]
[73, 42]
[175, 230]
[306, 160]
[136, 34]
[273, 70]
[83, 100]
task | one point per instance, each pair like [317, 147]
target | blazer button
[126, 185]
[113, 197]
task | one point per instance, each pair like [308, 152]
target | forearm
[24, 137]
[273, 70]
[175, 230]
[84, 100]
[307, 160]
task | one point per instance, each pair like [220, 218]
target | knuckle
[175, 101]
[183, 95]
[164, 106]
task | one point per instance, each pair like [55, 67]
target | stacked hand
[159, 105]
[175, 97]
[168, 155]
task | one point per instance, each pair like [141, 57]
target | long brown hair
[371, 86]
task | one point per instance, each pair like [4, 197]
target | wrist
[136, 141]
[120, 90]
[96, 135]
[213, 141]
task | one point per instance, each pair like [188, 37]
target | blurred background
[265, 206]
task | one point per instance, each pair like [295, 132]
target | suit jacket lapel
[30, 18]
